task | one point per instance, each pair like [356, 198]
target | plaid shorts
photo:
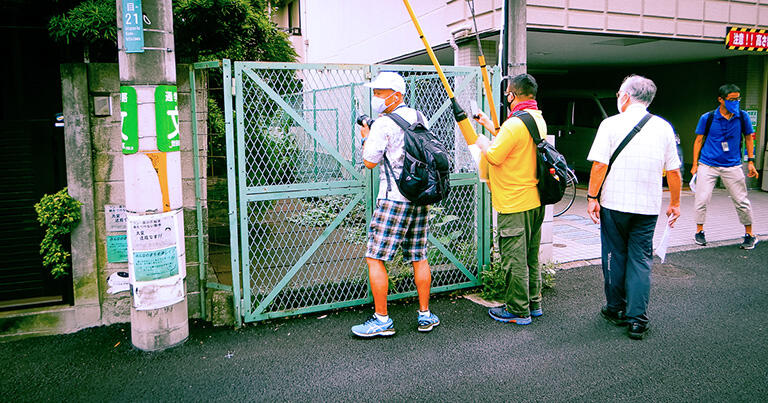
[398, 223]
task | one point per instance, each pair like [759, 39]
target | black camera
[365, 120]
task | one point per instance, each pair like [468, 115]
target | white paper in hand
[661, 250]
[692, 184]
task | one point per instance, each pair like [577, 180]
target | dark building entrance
[31, 153]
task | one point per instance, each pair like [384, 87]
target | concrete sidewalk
[576, 240]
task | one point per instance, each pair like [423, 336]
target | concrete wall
[95, 178]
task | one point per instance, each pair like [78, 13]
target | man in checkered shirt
[395, 222]
[630, 201]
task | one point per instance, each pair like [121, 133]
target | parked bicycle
[569, 196]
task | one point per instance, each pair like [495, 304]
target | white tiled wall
[690, 19]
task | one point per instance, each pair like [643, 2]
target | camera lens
[364, 120]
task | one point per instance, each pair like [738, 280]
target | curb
[682, 248]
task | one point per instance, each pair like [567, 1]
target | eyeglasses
[508, 93]
[733, 99]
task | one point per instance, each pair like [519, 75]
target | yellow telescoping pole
[489, 92]
[484, 71]
[461, 117]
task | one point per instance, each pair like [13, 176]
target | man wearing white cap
[395, 221]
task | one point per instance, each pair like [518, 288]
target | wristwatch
[750, 159]
[589, 196]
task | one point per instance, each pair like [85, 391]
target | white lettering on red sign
[738, 39]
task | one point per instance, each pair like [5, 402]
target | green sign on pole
[117, 248]
[155, 264]
[167, 118]
[129, 117]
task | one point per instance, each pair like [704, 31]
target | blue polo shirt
[722, 130]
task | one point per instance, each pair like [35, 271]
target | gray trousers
[627, 255]
[735, 183]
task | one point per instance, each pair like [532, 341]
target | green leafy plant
[58, 214]
[232, 29]
[548, 274]
[495, 278]
[320, 212]
[89, 22]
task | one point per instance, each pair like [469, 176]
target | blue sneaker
[502, 315]
[426, 323]
[537, 312]
[374, 327]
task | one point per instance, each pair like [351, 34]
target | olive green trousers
[519, 236]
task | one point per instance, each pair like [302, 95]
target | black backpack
[551, 168]
[426, 166]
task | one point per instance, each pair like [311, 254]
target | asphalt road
[709, 313]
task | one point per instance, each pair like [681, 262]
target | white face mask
[379, 104]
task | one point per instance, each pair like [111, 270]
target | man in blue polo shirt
[717, 154]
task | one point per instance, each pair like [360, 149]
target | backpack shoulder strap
[708, 125]
[530, 124]
[399, 120]
[388, 171]
[741, 122]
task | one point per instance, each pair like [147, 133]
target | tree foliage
[203, 29]
[232, 29]
[91, 21]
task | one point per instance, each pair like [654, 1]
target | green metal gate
[304, 197]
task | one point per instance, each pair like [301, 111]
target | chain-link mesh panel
[298, 129]
[299, 124]
[453, 221]
[283, 232]
[425, 92]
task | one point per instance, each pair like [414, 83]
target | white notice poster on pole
[114, 217]
[156, 259]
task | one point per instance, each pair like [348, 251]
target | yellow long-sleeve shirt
[512, 170]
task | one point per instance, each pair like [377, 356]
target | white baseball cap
[388, 80]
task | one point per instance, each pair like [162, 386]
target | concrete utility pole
[152, 173]
[514, 51]
[517, 43]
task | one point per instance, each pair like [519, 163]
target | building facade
[573, 47]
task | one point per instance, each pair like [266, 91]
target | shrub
[89, 22]
[58, 214]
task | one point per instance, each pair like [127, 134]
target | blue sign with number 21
[133, 26]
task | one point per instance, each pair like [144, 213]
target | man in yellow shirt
[512, 179]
